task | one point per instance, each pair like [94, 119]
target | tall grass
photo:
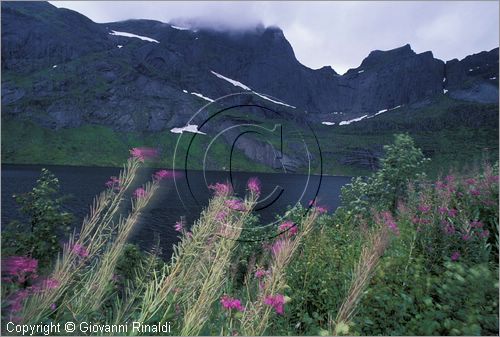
[257, 314]
[96, 232]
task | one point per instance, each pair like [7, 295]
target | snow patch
[185, 91]
[188, 128]
[54, 66]
[145, 38]
[233, 82]
[328, 123]
[471, 69]
[361, 71]
[272, 100]
[493, 78]
[445, 91]
[179, 28]
[381, 112]
[201, 96]
[444, 79]
[119, 46]
[353, 120]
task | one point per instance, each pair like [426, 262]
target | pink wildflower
[221, 216]
[80, 250]
[231, 303]
[20, 267]
[476, 224]
[484, 234]
[321, 209]
[390, 223]
[277, 246]
[448, 228]
[455, 256]
[443, 210]
[16, 300]
[440, 185]
[113, 183]
[471, 181]
[475, 192]
[465, 237]
[424, 208]
[289, 227]
[179, 226]
[221, 189]
[53, 306]
[140, 193]
[260, 273]
[452, 212]
[235, 204]
[162, 174]
[143, 153]
[254, 185]
[50, 283]
[277, 302]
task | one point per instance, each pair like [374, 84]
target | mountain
[62, 71]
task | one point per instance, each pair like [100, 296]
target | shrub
[46, 222]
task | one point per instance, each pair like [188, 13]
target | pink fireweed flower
[321, 209]
[484, 234]
[452, 213]
[162, 174]
[113, 183]
[189, 234]
[235, 204]
[53, 306]
[440, 185]
[278, 246]
[16, 300]
[424, 208]
[470, 181]
[230, 303]
[50, 283]
[448, 227]
[19, 266]
[390, 223]
[289, 228]
[80, 250]
[443, 210]
[221, 216]
[143, 153]
[476, 224]
[277, 302]
[221, 189]
[466, 237]
[254, 185]
[179, 226]
[475, 192]
[260, 273]
[455, 256]
[140, 193]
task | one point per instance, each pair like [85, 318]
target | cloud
[334, 33]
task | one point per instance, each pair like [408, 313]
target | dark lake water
[173, 200]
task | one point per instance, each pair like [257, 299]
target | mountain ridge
[62, 70]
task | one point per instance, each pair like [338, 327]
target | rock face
[64, 70]
[60, 69]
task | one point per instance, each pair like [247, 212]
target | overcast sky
[339, 34]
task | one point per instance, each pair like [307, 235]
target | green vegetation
[451, 133]
[46, 223]
[419, 257]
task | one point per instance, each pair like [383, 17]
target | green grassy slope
[453, 134]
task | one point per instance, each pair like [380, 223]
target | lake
[186, 196]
